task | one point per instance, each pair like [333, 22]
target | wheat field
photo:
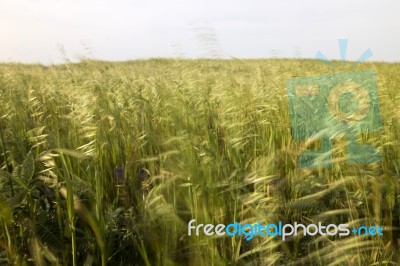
[214, 136]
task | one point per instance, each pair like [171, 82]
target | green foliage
[215, 136]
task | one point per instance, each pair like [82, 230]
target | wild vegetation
[215, 137]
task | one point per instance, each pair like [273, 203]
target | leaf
[4, 178]
[16, 176]
[17, 200]
[28, 167]
[5, 212]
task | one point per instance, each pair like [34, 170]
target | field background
[215, 136]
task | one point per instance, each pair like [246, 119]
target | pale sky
[35, 30]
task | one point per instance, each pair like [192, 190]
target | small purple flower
[119, 174]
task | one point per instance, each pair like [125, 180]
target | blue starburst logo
[343, 53]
